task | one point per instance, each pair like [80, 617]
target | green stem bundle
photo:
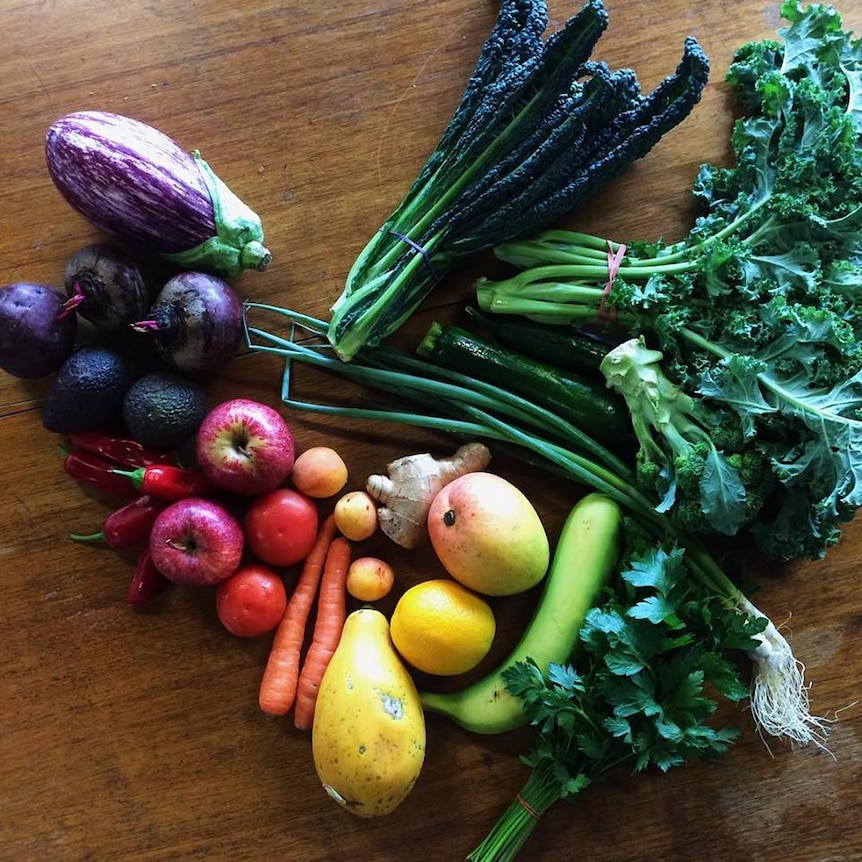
[511, 831]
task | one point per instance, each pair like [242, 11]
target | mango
[488, 535]
[368, 736]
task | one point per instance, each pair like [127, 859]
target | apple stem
[186, 546]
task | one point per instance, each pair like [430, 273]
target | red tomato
[251, 601]
[280, 527]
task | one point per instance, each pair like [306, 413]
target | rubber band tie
[528, 808]
[416, 247]
[615, 259]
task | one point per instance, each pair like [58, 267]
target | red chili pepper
[97, 473]
[168, 482]
[128, 525]
[122, 451]
[147, 581]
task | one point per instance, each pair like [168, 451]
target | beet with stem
[196, 323]
[105, 287]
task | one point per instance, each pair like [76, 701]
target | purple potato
[134, 182]
[36, 335]
[196, 322]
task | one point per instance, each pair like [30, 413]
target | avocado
[87, 391]
[164, 409]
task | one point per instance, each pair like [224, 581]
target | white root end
[779, 693]
[405, 494]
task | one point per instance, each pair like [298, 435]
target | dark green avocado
[87, 391]
[163, 409]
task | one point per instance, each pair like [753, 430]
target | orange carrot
[331, 614]
[281, 674]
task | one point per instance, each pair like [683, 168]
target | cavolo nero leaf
[525, 144]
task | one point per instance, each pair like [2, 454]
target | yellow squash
[368, 737]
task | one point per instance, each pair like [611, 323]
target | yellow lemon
[442, 628]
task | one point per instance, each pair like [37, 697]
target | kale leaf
[755, 314]
[539, 126]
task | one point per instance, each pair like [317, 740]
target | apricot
[355, 515]
[370, 579]
[319, 472]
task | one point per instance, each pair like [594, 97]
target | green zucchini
[585, 559]
[565, 347]
[590, 406]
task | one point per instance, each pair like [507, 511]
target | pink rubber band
[615, 259]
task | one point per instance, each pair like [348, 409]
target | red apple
[196, 542]
[245, 447]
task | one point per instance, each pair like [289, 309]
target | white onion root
[779, 694]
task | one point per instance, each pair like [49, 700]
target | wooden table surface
[136, 735]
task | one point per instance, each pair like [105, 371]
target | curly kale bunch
[756, 312]
[694, 459]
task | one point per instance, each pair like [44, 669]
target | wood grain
[136, 737]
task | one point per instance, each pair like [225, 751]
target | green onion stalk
[444, 400]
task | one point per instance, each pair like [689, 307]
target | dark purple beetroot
[36, 337]
[196, 322]
[105, 287]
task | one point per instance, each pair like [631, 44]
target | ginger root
[405, 494]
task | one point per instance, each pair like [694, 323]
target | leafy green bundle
[751, 417]
[635, 694]
[539, 126]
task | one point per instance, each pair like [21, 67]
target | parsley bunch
[756, 311]
[635, 695]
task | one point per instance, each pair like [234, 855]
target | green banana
[584, 560]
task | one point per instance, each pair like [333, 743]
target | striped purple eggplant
[134, 182]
